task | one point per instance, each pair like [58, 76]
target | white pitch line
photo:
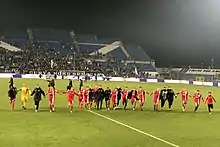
[134, 129]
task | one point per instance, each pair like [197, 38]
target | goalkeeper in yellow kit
[25, 92]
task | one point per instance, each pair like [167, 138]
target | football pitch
[120, 128]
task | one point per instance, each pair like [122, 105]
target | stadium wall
[119, 79]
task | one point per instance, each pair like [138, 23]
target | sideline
[134, 129]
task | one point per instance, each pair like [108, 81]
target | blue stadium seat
[117, 53]
[84, 48]
[136, 52]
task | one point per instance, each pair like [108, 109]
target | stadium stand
[203, 71]
[89, 48]
[199, 74]
[116, 53]
[196, 77]
[9, 46]
[14, 40]
[50, 50]
[145, 67]
[136, 52]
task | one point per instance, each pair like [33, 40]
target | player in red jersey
[156, 94]
[185, 96]
[125, 97]
[141, 97]
[51, 92]
[80, 99]
[134, 98]
[70, 94]
[197, 100]
[114, 96]
[209, 101]
[86, 97]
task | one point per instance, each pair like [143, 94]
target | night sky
[174, 33]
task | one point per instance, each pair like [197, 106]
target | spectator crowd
[40, 58]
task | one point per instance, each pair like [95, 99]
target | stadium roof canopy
[9, 47]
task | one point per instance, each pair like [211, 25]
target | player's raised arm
[213, 99]
[202, 99]
[190, 95]
[193, 96]
[65, 92]
[58, 92]
[33, 92]
[47, 91]
[42, 92]
[29, 91]
[76, 93]
[147, 92]
[178, 93]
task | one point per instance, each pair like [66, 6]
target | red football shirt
[156, 94]
[184, 95]
[86, 93]
[210, 99]
[124, 94]
[114, 94]
[51, 93]
[141, 94]
[80, 94]
[71, 94]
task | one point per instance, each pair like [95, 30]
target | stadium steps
[108, 48]
[9, 47]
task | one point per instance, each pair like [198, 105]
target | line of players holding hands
[96, 95]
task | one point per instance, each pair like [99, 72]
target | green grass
[84, 129]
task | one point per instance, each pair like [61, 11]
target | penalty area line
[134, 129]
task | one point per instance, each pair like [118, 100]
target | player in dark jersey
[37, 92]
[70, 85]
[80, 84]
[51, 83]
[107, 95]
[11, 82]
[100, 97]
[170, 97]
[119, 95]
[12, 92]
[163, 97]
[91, 97]
[95, 95]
